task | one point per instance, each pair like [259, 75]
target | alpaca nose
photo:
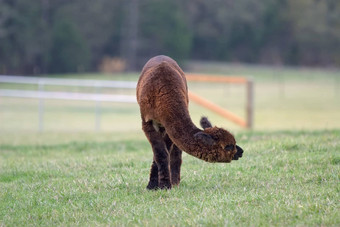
[239, 151]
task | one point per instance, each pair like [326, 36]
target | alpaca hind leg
[161, 156]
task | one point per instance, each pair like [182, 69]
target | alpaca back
[162, 90]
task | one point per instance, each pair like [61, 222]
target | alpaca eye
[229, 147]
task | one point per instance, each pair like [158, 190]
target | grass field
[71, 175]
[284, 178]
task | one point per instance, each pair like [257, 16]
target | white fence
[97, 97]
[67, 96]
[41, 94]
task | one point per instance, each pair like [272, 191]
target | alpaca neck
[181, 131]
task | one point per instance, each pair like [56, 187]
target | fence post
[98, 109]
[336, 85]
[41, 107]
[250, 103]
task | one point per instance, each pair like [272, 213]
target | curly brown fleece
[162, 95]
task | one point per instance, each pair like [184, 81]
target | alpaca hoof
[166, 185]
[175, 181]
[152, 186]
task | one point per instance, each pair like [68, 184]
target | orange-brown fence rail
[248, 123]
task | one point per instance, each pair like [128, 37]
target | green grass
[285, 178]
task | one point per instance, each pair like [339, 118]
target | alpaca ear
[204, 138]
[229, 147]
[205, 123]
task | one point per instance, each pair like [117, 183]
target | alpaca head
[219, 143]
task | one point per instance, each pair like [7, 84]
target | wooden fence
[42, 94]
[248, 123]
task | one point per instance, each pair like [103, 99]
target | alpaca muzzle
[239, 153]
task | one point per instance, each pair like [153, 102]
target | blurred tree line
[57, 36]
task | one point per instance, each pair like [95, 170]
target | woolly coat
[162, 95]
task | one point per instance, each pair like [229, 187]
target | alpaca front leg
[153, 182]
[175, 160]
[175, 165]
[161, 157]
[163, 160]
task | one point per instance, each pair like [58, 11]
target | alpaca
[162, 95]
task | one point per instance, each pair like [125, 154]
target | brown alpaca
[162, 95]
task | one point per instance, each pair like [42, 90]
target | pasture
[73, 175]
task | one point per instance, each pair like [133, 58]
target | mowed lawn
[72, 175]
[284, 178]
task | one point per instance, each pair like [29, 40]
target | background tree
[165, 32]
[69, 52]
[43, 36]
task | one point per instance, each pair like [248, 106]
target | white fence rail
[41, 94]
[67, 82]
[67, 96]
